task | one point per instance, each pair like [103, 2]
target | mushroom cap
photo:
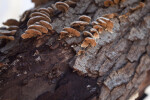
[44, 12]
[79, 23]
[7, 37]
[11, 22]
[95, 23]
[13, 27]
[101, 22]
[36, 19]
[80, 52]
[85, 18]
[88, 41]
[44, 9]
[46, 24]
[39, 14]
[87, 33]
[62, 6]
[63, 34]
[70, 2]
[6, 32]
[51, 10]
[72, 31]
[95, 33]
[110, 15]
[98, 28]
[39, 28]
[110, 26]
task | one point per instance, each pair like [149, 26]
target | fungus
[46, 24]
[79, 25]
[95, 23]
[44, 9]
[13, 27]
[39, 28]
[45, 13]
[116, 1]
[72, 32]
[80, 52]
[141, 5]
[95, 33]
[98, 28]
[85, 18]
[30, 33]
[51, 11]
[108, 3]
[110, 15]
[88, 41]
[63, 34]
[62, 6]
[6, 32]
[87, 33]
[70, 3]
[36, 19]
[39, 14]
[11, 22]
[7, 37]
[101, 22]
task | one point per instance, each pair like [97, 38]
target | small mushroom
[70, 2]
[98, 28]
[63, 34]
[87, 33]
[13, 27]
[44, 9]
[79, 25]
[45, 13]
[88, 41]
[39, 14]
[72, 32]
[6, 32]
[62, 6]
[7, 37]
[95, 33]
[110, 15]
[39, 28]
[11, 22]
[46, 24]
[36, 19]
[101, 22]
[30, 33]
[85, 18]
[51, 11]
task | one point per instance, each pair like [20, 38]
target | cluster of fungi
[9, 32]
[108, 3]
[39, 24]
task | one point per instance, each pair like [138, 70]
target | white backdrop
[14, 8]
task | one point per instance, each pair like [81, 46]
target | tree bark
[45, 68]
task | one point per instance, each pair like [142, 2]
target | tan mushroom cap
[51, 11]
[46, 24]
[6, 32]
[7, 37]
[110, 15]
[13, 27]
[88, 41]
[95, 33]
[95, 23]
[81, 52]
[71, 31]
[36, 19]
[87, 33]
[62, 6]
[79, 23]
[63, 34]
[101, 22]
[70, 2]
[85, 18]
[98, 28]
[44, 12]
[44, 9]
[39, 14]
[39, 28]
[11, 22]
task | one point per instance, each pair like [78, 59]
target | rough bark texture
[45, 68]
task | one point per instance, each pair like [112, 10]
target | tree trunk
[45, 68]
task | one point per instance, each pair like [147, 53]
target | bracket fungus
[112, 15]
[70, 2]
[11, 22]
[87, 33]
[108, 3]
[98, 28]
[62, 6]
[7, 37]
[39, 28]
[79, 25]
[80, 52]
[85, 18]
[88, 41]
[95, 33]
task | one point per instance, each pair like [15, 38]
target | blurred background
[15, 8]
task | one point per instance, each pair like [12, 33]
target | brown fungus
[81, 52]
[72, 32]
[39, 28]
[88, 42]
[63, 34]
[79, 25]
[13, 27]
[110, 15]
[108, 3]
[98, 28]
[11, 22]
[39, 14]
[36, 19]
[101, 22]
[70, 2]
[44, 9]
[116, 1]
[62, 6]
[95, 33]
[7, 37]
[6, 32]
[87, 33]
[51, 11]
[85, 18]
[45, 13]
[46, 24]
